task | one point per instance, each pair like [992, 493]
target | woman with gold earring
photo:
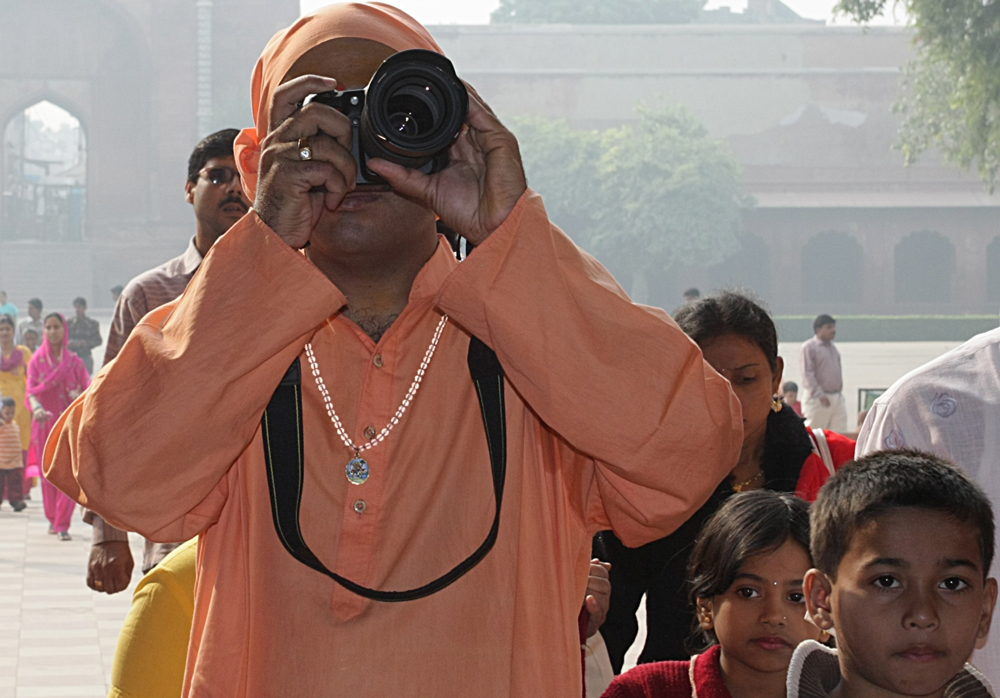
[738, 339]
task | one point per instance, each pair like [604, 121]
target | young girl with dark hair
[739, 340]
[746, 582]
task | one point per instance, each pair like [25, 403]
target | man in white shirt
[823, 378]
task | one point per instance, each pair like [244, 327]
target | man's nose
[235, 186]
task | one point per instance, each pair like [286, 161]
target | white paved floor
[57, 637]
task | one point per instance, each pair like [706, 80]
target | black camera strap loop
[283, 453]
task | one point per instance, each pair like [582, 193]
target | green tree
[673, 193]
[597, 11]
[562, 164]
[951, 90]
[641, 198]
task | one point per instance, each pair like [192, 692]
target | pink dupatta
[55, 384]
[46, 375]
[13, 362]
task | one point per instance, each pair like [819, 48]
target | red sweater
[814, 471]
[673, 679]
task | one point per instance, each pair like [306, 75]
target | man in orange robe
[613, 418]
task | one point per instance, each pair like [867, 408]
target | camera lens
[414, 109]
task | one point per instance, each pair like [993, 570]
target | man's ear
[249, 162]
[249, 158]
[189, 191]
[989, 603]
[706, 617]
[818, 589]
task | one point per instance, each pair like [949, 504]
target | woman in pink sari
[56, 377]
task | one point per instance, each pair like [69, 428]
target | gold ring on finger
[305, 151]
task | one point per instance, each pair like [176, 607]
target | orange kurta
[614, 420]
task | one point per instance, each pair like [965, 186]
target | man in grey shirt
[823, 379]
[214, 189]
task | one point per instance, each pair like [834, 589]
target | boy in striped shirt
[11, 462]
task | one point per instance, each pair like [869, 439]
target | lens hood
[415, 108]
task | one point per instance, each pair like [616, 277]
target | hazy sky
[478, 11]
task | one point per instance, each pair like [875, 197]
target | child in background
[11, 457]
[790, 394]
[746, 574]
[30, 339]
[902, 542]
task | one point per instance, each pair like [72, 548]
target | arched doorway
[832, 269]
[924, 268]
[94, 63]
[44, 175]
[749, 267]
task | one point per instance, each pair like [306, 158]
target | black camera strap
[283, 453]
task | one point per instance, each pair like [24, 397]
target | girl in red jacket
[745, 574]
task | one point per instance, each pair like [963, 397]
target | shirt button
[370, 432]
[360, 506]
[378, 361]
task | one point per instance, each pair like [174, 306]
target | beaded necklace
[357, 468]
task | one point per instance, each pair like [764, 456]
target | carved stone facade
[840, 224]
[129, 71]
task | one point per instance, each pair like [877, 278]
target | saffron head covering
[374, 21]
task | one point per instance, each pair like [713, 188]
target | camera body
[410, 113]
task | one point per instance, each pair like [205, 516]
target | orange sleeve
[149, 444]
[650, 427]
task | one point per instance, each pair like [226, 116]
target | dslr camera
[410, 113]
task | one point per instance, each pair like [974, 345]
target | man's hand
[825, 401]
[480, 186]
[110, 567]
[292, 192]
[598, 599]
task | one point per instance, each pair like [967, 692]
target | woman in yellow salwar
[13, 382]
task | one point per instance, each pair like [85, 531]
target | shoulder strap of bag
[822, 449]
[283, 452]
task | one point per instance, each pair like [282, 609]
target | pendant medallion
[357, 471]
